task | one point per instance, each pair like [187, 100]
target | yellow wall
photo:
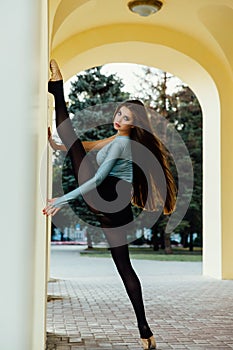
[184, 39]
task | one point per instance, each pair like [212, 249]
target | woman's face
[123, 121]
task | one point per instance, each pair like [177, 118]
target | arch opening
[203, 85]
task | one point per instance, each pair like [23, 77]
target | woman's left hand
[50, 209]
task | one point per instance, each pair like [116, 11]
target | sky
[127, 72]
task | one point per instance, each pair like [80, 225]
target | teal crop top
[114, 159]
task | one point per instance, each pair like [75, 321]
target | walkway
[92, 312]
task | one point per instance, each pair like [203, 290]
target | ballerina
[116, 167]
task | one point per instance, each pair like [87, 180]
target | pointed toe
[55, 71]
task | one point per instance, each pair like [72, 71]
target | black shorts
[107, 190]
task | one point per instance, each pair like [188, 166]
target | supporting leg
[132, 285]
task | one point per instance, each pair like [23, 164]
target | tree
[188, 121]
[182, 110]
[92, 101]
[154, 86]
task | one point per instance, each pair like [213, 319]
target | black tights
[120, 254]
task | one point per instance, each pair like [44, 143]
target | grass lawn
[179, 254]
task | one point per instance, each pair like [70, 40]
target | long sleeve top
[114, 159]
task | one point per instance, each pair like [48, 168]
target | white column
[23, 134]
[212, 225]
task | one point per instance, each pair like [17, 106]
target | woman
[113, 182]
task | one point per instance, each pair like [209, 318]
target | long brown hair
[148, 189]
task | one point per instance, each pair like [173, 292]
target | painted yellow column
[218, 175]
[23, 135]
[227, 179]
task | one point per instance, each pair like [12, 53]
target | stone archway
[197, 55]
[204, 87]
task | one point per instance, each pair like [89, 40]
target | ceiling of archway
[204, 23]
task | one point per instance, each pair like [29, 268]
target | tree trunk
[167, 242]
[191, 242]
[89, 241]
[162, 239]
[155, 241]
[184, 239]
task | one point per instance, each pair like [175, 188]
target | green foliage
[182, 112]
[179, 254]
[187, 119]
[92, 101]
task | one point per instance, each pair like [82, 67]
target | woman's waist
[126, 174]
[113, 187]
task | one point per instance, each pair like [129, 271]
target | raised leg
[68, 136]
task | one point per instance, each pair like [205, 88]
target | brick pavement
[92, 312]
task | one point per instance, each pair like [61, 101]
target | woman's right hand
[49, 209]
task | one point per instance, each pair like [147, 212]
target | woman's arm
[88, 145]
[103, 171]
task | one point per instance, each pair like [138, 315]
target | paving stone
[92, 312]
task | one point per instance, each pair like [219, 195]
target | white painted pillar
[23, 135]
[212, 238]
[212, 225]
